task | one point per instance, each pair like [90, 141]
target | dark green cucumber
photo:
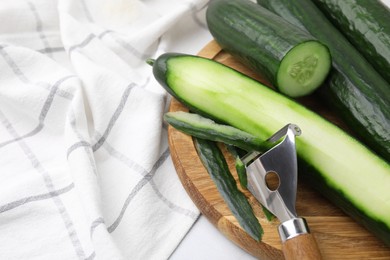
[215, 164]
[366, 24]
[201, 127]
[335, 163]
[358, 94]
[290, 58]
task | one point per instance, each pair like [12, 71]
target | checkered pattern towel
[85, 170]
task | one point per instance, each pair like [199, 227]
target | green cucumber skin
[320, 158]
[377, 227]
[366, 24]
[353, 89]
[187, 123]
[252, 34]
[215, 164]
[240, 167]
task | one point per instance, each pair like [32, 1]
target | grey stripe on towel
[36, 164]
[42, 115]
[39, 26]
[44, 196]
[136, 189]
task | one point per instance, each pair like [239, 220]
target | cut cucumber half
[288, 57]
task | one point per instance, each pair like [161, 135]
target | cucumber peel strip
[215, 164]
[205, 128]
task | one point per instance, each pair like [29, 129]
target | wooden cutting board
[338, 236]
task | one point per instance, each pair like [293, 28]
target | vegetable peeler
[280, 163]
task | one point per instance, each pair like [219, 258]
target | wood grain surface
[337, 235]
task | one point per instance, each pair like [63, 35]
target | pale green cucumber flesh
[303, 69]
[229, 96]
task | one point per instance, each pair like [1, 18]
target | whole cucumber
[354, 89]
[366, 24]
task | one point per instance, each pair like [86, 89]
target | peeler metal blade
[281, 161]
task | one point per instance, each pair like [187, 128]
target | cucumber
[329, 159]
[354, 89]
[290, 58]
[201, 127]
[366, 24]
[215, 164]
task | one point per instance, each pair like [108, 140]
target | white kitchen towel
[85, 169]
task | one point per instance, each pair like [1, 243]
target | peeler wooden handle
[297, 242]
[302, 247]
